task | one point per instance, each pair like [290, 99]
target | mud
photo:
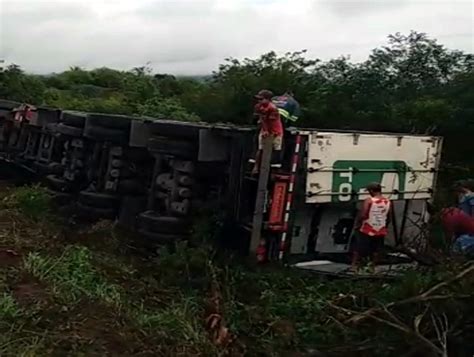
[9, 257]
[103, 330]
[29, 291]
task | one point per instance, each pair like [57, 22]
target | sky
[192, 37]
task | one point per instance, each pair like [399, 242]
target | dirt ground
[70, 289]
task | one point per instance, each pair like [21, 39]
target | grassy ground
[71, 290]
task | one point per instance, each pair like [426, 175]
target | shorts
[367, 245]
[277, 142]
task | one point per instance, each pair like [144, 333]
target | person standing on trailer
[288, 107]
[270, 126]
[371, 224]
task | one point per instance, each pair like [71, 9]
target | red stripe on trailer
[289, 199]
[295, 159]
[277, 208]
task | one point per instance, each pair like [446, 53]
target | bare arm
[363, 212]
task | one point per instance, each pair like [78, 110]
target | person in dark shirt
[288, 107]
[464, 190]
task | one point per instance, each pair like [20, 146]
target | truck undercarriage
[152, 176]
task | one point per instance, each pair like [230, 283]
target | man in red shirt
[270, 125]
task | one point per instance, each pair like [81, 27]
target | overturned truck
[152, 175]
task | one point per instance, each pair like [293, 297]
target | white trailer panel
[340, 165]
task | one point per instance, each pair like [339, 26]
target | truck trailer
[152, 175]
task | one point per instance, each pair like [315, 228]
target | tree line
[412, 84]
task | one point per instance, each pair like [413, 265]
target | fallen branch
[426, 296]
[398, 325]
[404, 328]
[460, 275]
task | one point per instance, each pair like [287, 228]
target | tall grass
[33, 201]
[73, 275]
[9, 309]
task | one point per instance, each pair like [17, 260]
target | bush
[33, 201]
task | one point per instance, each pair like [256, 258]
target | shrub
[33, 201]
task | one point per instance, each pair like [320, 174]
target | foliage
[33, 201]
[177, 323]
[18, 86]
[9, 309]
[90, 302]
[183, 265]
[412, 84]
[167, 108]
[73, 275]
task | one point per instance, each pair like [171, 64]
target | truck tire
[94, 213]
[98, 200]
[180, 149]
[110, 121]
[57, 183]
[130, 208]
[47, 169]
[152, 222]
[74, 119]
[68, 130]
[60, 199]
[160, 238]
[106, 134]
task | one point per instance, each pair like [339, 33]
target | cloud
[363, 7]
[194, 36]
[48, 11]
[176, 9]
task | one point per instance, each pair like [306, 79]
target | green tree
[166, 108]
[229, 94]
[18, 86]
[412, 84]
